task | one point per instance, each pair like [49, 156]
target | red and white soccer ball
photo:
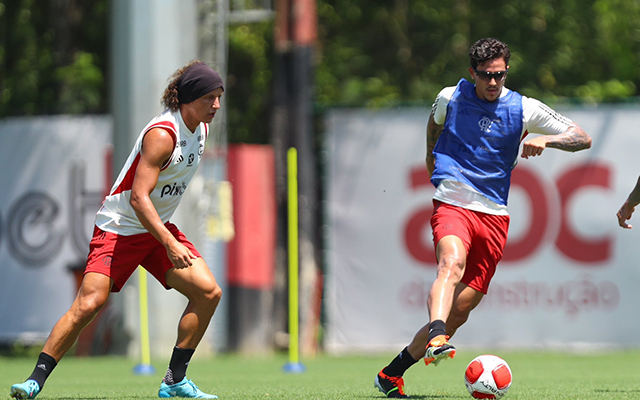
[487, 377]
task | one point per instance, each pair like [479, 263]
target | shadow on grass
[420, 396]
[118, 397]
[617, 390]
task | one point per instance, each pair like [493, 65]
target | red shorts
[118, 256]
[484, 237]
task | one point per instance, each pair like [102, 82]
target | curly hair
[488, 49]
[170, 95]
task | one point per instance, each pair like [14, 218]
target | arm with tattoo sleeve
[433, 133]
[574, 139]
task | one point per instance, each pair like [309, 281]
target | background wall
[53, 182]
[568, 271]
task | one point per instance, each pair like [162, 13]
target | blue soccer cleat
[184, 388]
[27, 390]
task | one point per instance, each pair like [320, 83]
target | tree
[249, 82]
[381, 53]
[371, 53]
[52, 57]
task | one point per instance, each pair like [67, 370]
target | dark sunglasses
[488, 76]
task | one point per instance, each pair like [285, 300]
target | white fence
[570, 274]
[53, 182]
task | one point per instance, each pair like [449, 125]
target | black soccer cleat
[391, 386]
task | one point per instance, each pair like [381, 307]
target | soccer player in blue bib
[474, 135]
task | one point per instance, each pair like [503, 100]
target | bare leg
[452, 256]
[92, 296]
[449, 301]
[465, 300]
[200, 287]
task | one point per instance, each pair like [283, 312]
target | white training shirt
[116, 214]
[537, 118]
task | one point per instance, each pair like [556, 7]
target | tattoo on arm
[433, 133]
[574, 139]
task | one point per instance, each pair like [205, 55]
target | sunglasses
[488, 76]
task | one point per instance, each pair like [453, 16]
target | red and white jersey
[116, 214]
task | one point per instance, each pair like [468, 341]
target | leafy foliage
[370, 53]
[380, 53]
[249, 82]
[52, 57]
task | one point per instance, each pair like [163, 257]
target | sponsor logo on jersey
[173, 190]
[192, 157]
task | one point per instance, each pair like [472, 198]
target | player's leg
[430, 341]
[482, 259]
[451, 253]
[451, 266]
[199, 286]
[451, 237]
[91, 297]
[453, 231]
[389, 380]
[465, 300]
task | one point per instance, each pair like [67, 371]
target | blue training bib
[480, 141]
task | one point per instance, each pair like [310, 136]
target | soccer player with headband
[132, 228]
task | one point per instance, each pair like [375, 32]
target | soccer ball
[487, 377]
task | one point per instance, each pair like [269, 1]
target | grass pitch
[536, 375]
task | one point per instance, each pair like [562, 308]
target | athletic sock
[437, 328]
[400, 364]
[44, 367]
[178, 365]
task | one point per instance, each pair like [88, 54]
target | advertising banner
[53, 181]
[569, 276]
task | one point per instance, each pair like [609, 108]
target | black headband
[197, 81]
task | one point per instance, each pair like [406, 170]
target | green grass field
[539, 376]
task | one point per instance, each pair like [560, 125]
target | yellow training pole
[292, 191]
[145, 367]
